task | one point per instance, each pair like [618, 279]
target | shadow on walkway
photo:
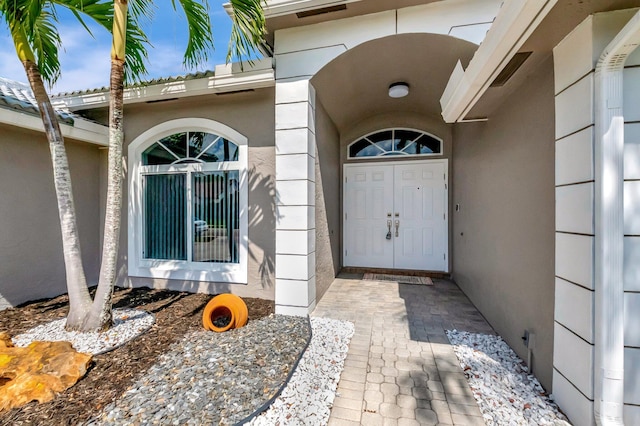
[400, 367]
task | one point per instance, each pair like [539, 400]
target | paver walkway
[400, 368]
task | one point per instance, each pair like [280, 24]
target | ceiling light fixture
[398, 90]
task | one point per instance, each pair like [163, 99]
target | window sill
[226, 273]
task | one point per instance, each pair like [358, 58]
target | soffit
[560, 21]
[356, 8]
[354, 86]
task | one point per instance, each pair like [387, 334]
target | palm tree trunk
[79, 299]
[100, 317]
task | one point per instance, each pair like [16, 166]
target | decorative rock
[38, 371]
[501, 384]
[213, 378]
[127, 324]
[5, 340]
[309, 395]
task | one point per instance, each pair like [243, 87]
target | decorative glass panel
[403, 138]
[176, 144]
[197, 142]
[385, 135]
[216, 216]
[395, 142]
[157, 154]
[363, 148]
[221, 150]
[428, 145]
[165, 217]
[190, 147]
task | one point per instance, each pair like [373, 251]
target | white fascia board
[227, 78]
[513, 25]
[82, 130]
[273, 8]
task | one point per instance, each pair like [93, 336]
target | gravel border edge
[264, 407]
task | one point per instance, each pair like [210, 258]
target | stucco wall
[503, 235]
[328, 253]
[31, 261]
[252, 115]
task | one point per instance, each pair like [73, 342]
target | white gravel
[501, 384]
[309, 395]
[127, 325]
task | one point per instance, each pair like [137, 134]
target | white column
[295, 197]
[589, 230]
[574, 339]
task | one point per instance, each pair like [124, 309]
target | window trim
[179, 269]
[390, 157]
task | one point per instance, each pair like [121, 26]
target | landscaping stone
[213, 378]
[501, 384]
[37, 372]
[309, 395]
[127, 324]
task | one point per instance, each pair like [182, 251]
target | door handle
[388, 230]
[397, 227]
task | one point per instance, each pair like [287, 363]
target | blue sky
[85, 60]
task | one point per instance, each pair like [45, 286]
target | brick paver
[400, 368]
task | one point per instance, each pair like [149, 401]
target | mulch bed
[177, 313]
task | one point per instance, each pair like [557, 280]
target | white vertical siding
[575, 58]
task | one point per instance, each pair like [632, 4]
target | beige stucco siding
[328, 241]
[503, 235]
[31, 261]
[252, 115]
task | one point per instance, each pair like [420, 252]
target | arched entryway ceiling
[354, 86]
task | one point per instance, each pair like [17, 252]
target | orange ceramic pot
[225, 305]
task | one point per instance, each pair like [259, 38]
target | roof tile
[18, 96]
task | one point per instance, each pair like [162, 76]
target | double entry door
[395, 215]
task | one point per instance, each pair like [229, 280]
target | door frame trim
[444, 161]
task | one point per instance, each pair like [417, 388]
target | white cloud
[10, 66]
[85, 61]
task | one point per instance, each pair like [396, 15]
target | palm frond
[200, 42]
[143, 11]
[45, 43]
[21, 13]
[248, 28]
[136, 55]
[31, 13]
[100, 11]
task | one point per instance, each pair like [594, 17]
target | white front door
[395, 215]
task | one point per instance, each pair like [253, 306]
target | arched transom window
[190, 147]
[189, 203]
[395, 142]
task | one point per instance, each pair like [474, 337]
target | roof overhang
[273, 8]
[81, 130]
[513, 25]
[227, 78]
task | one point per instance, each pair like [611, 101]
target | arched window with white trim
[188, 203]
[395, 142]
